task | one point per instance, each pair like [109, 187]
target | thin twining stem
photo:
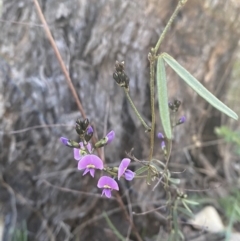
[152, 78]
[179, 6]
[59, 58]
[136, 111]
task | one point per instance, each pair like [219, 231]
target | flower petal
[107, 193]
[64, 141]
[160, 136]
[76, 154]
[89, 147]
[92, 171]
[129, 175]
[89, 130]
[86, 171]
[108, 181]
[123, 166]
[110, 136]
[90, 160]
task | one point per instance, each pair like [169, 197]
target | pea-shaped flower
[123, 171]
[108, 184]
[79, 153]
[90, 163]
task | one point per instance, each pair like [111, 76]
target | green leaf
[114, 229]
[163, 98]
[141, 170]
[175, 180]
[198, 87]
[191, 202]
[186, 212]
[186, 206]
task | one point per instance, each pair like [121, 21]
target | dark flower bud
[88, 134]
[119, 75]
[177, 103]
[171, 105]
[121, 79]
[79, 129]
[119, 66]
[84, 124]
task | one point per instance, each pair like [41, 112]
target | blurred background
[42, 194]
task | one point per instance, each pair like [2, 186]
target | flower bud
[84, 124]
[88, 134]
[106, 140]
[160, 136]
[69, 143]
[110, 136]
[181, 120]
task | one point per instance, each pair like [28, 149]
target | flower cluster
[89, 162]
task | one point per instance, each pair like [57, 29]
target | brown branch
[59, 58]
[63, 66]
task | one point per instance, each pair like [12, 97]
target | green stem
[136, 111]
[152, 78]
[180, 4]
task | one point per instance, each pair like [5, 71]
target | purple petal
[92, 171]
[129, 175]
[88, 146]
[89, 130]
[163, 145]
[81, 145]
[123, 166]
[90, 160]
[182, 120]
[107, 193]
[64, 141]
[110, 136]
[76, 154]
[160, 136]
[86, 171]
[108, 181]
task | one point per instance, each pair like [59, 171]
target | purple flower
[64, 141]
[110, 136]
[90, 163]
[108, 184]
[181, 120]
[122, 170]
[160, 136]
[106, 140]
[79, 153]
[69, 143]
[163, 145]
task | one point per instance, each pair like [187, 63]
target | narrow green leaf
[186, 206]
[185, 212]
[191, 202]
[163, 98]
[198, 87]
[141, 170]
[175, 180]
[114, 229]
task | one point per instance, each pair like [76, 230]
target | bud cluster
[119, 75]
[174, 106]
[84, 130]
